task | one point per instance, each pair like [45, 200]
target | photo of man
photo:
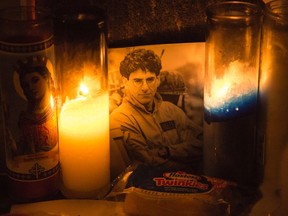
[152, 131]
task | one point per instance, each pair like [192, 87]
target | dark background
[141, 22]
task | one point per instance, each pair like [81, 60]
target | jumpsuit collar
[135, 103]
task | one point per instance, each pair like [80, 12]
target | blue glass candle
[231, 91]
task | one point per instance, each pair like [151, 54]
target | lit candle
[84, 146]
[231, 91]
[233, 94]
[81, 55]
[230, 102]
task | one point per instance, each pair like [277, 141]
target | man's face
[143, 86]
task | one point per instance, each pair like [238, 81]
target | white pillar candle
[84, 146]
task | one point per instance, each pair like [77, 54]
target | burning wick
[83, 90]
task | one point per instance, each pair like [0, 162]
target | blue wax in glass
[234, 108]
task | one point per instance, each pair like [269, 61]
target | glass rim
[233, 10]
[24, 14]
[79, 14]
[277, 9]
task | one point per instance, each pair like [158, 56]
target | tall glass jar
[230, 90]
[28, 99]
[273, 122]
[81, 51]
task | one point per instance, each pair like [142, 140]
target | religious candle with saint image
[231, 91]
[28, 98]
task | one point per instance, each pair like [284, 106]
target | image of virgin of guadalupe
[38, 122]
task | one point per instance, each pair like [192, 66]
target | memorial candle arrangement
[231, 91]
[84, 113]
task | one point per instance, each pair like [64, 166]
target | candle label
[28, 99]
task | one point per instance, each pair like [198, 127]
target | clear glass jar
[81, 60]
[273, 125]
[231, 90]
[29, 94]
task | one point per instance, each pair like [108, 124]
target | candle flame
[52, 101]
[233, 84]
[83, 90]
[221, 89]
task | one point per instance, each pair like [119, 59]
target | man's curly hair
[143, 59]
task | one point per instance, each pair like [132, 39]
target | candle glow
[232, 93]
[84, 144]
[83, 89]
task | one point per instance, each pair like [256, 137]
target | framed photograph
[156, 105]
